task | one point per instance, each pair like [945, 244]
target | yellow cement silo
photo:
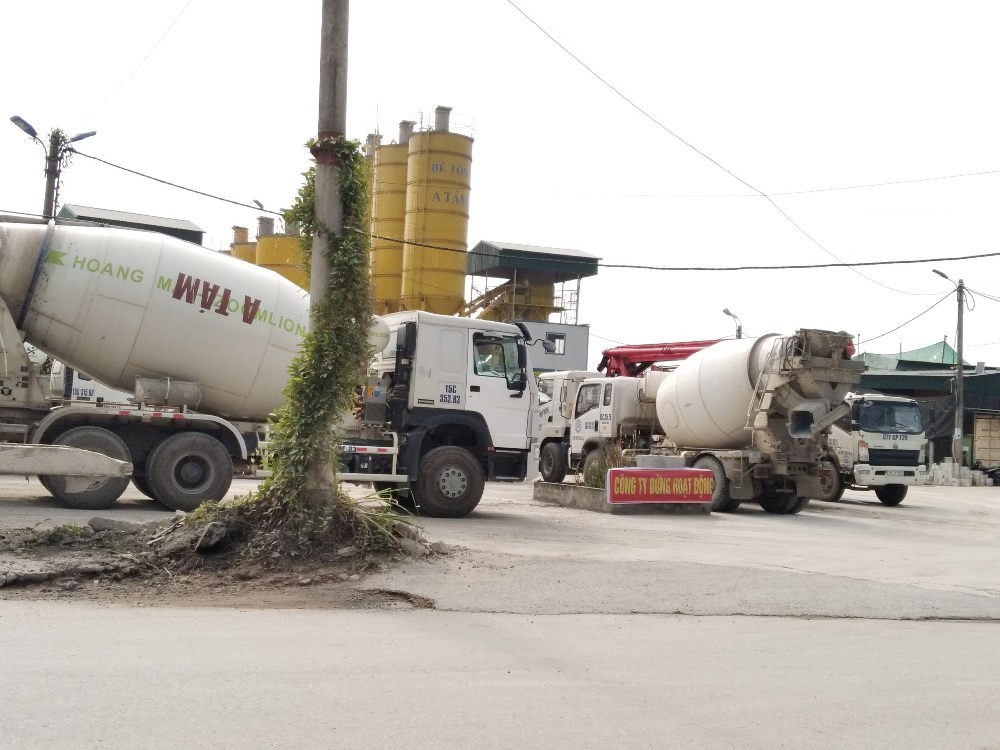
[388, 220]
[437, 213]
[283, 254]
[241, 247]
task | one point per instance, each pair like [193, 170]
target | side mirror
[549, 346]
[518, 382]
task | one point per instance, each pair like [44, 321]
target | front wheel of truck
[450, 483]
[891, 494]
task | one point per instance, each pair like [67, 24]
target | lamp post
[739, 325]
[55, 157]
[956, 449]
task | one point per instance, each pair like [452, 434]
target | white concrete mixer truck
[756, 412]
[204, 341]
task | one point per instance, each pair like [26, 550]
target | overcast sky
[779, 97]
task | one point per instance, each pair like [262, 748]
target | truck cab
[447, 405]
[879, 446]
[553, 419]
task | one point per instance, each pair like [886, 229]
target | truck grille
[889, 457]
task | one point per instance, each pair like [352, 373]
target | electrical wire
[701, 153]
[640, 267]
[141, 62]
[175, 185]
[882, 335]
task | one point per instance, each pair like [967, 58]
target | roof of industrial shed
[504, 259]
[924, 380]
[70, 211]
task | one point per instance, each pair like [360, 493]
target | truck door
[586, 415]
[495, 389]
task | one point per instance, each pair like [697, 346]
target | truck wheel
[891, 494]
[552, 463]
[783, 503]
[187, 469]
[591, 468]
[108, 489]
[141, 483]
[831, 488]
[450, 484]
[722, 501]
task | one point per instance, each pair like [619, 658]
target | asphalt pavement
[848, 625]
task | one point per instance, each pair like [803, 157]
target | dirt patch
[125, 565]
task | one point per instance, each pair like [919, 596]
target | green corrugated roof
[547, 264]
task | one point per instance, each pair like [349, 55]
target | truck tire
[552, 462]
[590, 464]
[891, 494]
[141, 483]
[107, 490]
[722, 501]
[782, 503]
[188, 469]
[450, 483]
[831, 487]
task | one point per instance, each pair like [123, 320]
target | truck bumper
[877, 476]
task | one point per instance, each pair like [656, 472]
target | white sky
[789, 96]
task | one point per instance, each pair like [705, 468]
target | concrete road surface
[849, 625]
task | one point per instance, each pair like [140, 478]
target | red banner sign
[631, 485]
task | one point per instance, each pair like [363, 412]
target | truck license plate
[894, 473]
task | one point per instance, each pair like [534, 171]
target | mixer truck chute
[756, 412]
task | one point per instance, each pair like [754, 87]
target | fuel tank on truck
[120, 303]
[709, 399]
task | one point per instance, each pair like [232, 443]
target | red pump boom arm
[633, 359]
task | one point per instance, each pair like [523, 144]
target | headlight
[863, 452]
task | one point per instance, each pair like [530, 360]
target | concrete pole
[959, 372]
[332, 123]
[52, 156]
[329, 205]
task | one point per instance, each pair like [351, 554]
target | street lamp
[739, 325]
[956, 447]
[56, 154]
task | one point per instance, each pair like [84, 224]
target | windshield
[889, 416]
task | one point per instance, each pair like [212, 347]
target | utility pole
[332, 124]
[329, 206]
[959, 372]
[55, 152]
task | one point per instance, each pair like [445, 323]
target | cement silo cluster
[281, 253]
[420, 218]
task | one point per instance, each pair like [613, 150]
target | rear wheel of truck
[831, 487]
[722, 501]
[103, 493]
[552, 462]
[782, 499]
[141, 483]
[450, 484]
[188, 469]
[891, 494]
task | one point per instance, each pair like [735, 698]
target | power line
[701, 153]
[640, 267]
[141, 62]
[174, 184]
[881, 335]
